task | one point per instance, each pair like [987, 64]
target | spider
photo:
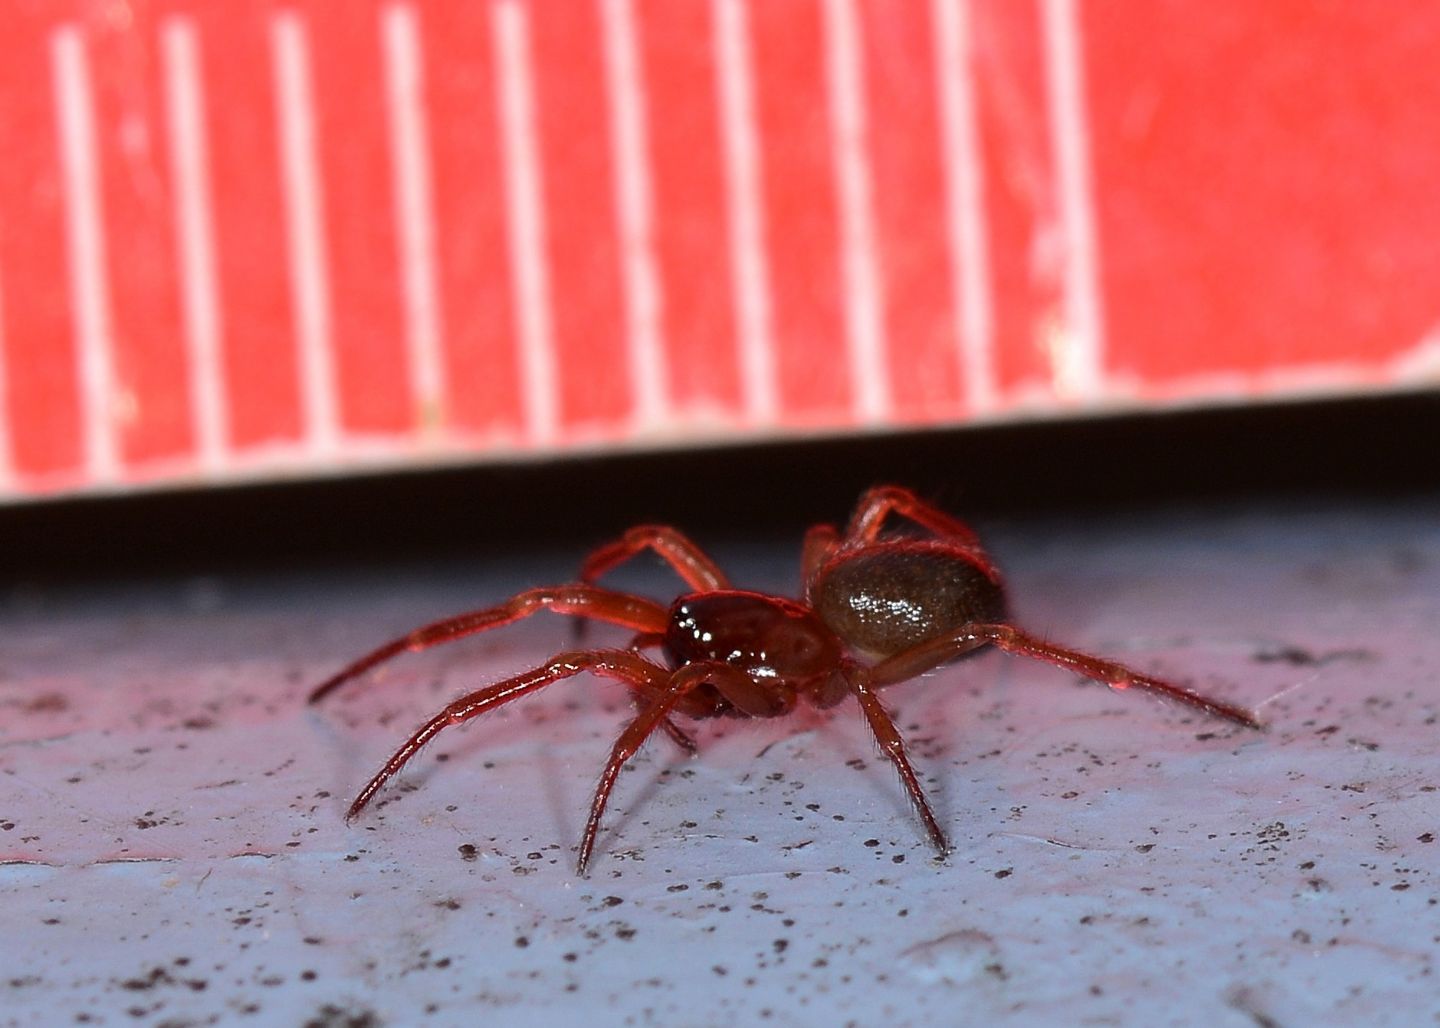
[879, 608]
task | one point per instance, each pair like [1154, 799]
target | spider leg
[646, 641]
[681, 682]
[634, 670]
[892, 744]
[820, 542]
[674, 547]
[880, 502]
[681, 738]
[883, 500]
[690, 562]
[645, 616]
[928, 655]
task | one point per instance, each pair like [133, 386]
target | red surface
[909, 187]
[151, 406]
[1020, 204]
[691, 225]
[260, 358]
[1261, 198]
[41, 374]
[481, 366]
[579, 195]
[1266, 183]
[373, 375]
[802, 235]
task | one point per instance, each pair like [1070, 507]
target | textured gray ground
[172, 848]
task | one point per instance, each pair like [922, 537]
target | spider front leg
[588, 601]
[820, 542]
[649, 640]
[634, 670]
[933, 653]
[674, 547]
[681, 683]
[880, 502]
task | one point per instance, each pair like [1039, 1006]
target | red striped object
[237, 239]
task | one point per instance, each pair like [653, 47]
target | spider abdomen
[890, 596]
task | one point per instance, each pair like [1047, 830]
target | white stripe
[525, 208]
[635, 202]
[964, 176]
[85, 236]
[864, 313]
[414, 208]
[1078, 356]
[305, 231]
[195, 238]
[740, 137]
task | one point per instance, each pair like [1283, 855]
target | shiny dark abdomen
[889, 597]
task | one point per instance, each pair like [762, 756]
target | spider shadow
[529, 754]
[829, 754]
[863, 776]
[655, 765]
[541, 740]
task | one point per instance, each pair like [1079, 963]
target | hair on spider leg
[879, 607]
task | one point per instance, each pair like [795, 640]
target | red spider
[908, 604]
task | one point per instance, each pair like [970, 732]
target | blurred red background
[245, 239]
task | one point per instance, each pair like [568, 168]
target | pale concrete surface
[172, 848]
